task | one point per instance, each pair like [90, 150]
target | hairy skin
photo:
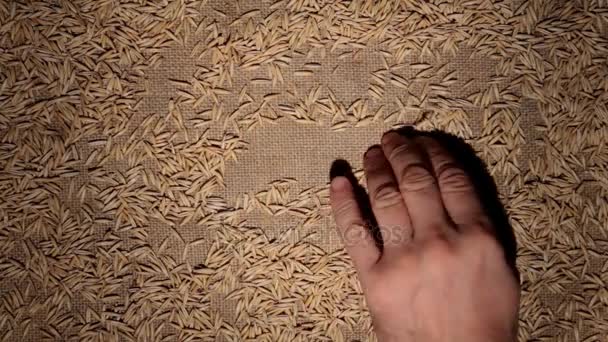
[440, 274]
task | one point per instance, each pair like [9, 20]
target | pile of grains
[163, 164]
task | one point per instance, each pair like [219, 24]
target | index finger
[358, 241]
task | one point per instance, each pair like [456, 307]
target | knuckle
[482, 224]
[440, 249]
[345, 208]
[386, 195]
[354, 233]
[486, 240]
[399, 151]
[486, 245]
[416, 177]
[452, 178]
[356, 225]
[397, 236]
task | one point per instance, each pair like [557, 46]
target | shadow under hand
[341, 167]
[484, 185]
[475, 168]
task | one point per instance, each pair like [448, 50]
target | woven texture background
[164, 164]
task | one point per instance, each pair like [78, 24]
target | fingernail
[339, 183]
[373, 151]
[388, 136]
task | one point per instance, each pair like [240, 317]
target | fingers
[385, 197]
[457, 191]
[417, 183]
[359, 243]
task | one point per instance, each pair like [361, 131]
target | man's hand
[441, 275]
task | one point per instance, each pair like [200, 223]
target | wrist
[470, 337]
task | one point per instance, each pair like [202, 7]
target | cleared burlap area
[164, 164]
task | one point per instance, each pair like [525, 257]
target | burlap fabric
[164, 165]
